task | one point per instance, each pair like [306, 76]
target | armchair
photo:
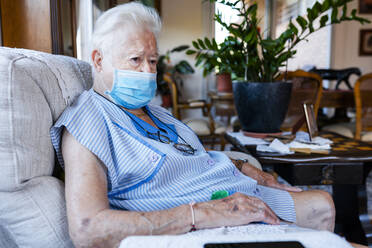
[35, 88]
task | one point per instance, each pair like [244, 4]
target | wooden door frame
[56, 26]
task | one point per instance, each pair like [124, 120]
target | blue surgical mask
[132, 89]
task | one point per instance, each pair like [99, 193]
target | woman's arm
[92, 223]
[262, 178]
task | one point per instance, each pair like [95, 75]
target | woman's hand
[234, 210]
[266, 179]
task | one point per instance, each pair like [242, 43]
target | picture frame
[365, 42]
[365, 6]
[312, 126]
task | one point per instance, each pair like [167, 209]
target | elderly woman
[133, 169]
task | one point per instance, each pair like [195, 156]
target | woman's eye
[135, 59]
[154, 61]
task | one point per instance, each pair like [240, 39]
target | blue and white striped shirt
[147, 175]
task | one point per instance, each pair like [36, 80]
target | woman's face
[134, 50]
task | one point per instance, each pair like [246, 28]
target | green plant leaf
[317, 8]
[180, 48]
[310, 15]
[326, 5]
[252, 9]
[293, 27]
[190, 52]
[183, 67]
[302, 21]
[208, 43]
[195, 44]
[344, 13]
[201, 44]
[323, 20]
[215, 46]
[334, 15]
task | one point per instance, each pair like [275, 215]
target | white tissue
[245, 140]
[275, 146]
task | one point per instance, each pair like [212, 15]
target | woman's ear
[97, 60]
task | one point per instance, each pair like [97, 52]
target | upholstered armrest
[35, 215]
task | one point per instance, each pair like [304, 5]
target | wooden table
[345, 167]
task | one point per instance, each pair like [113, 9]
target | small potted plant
[215, 58]
[255, 61]
[175, 71]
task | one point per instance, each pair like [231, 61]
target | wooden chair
[363, 104]
[205, 128]
[307, 87]
[361, 128]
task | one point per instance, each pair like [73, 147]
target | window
[228, 15]
[315, 52]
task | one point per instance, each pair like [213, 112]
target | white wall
[345, 45]
[183, 22]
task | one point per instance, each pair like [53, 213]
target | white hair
[123, 16]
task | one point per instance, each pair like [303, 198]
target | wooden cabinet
[43, 25]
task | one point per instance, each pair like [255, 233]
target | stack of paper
[301, 143]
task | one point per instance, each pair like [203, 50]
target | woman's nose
[147, 66]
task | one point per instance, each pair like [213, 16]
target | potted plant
[215, 58]
[256, 61]
[176, 71]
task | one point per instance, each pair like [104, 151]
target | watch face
[285, 244]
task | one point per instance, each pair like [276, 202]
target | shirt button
[154, 158]
[210, 162]
[256, 191]
[236, 172]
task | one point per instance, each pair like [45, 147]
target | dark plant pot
[223, 82]
[261, 107]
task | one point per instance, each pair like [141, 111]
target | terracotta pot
[166, 101]
[223, 82]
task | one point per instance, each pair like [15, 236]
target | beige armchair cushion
[35, 88]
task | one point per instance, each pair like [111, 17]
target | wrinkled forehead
[133, 40]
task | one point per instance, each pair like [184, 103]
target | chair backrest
[363, 104]
[35, 88]
[307, 87]
[176, 111]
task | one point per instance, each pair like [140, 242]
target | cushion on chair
[366, 137]
[35, 88]
[345, 129]
[199, 126]
[219, 128]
